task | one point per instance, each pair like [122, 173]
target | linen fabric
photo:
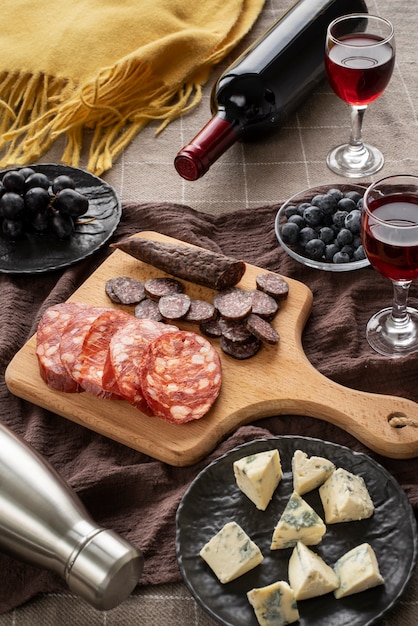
[108, 67]
[134, 494]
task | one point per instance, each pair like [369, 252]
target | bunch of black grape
[31, 202]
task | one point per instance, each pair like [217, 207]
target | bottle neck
[194, 160]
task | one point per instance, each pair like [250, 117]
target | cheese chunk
[357, 570]
[345, 498]
[309, 575]
[298, 522]
[274, 605]
[258, 475]
[231, 553]
[309, 472]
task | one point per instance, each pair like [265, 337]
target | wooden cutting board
[278, 380]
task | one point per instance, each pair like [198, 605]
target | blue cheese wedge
[309, 575]
[231, 553]
[309, 472]
[357, 570]
[258, 475]
[345, 498]
[274, 605]
[298, 522]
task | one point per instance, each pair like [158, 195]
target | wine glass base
[355, 163]
[390, 339]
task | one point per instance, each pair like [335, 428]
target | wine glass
[359, 60]
[389, 231]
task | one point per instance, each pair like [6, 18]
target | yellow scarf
[106, 65]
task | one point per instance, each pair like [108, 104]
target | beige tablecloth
[246, 177]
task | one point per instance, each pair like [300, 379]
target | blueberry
[341, 257]
[315, 249]
[290, 210]
[298, 220]
[290, 233]
[312, 216]
[352, 221]
[335, 193]
[359, 254]
[339, 218]
[346, 204]
[306, 234]
[348, 249]
[344, 237]
[330, 250]
[357, 241]
[326, 234]
[327, 203]
[355, 196]
[301, 207]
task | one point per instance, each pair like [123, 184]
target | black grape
[62, 182]
[12, 229]
[71, 202]
[14, 181]
[12, 206]
[62, 225]
[36, 200]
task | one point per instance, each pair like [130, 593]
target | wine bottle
[266, 83]
[43, 522]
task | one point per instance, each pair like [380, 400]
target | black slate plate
[213, 499]
[36, 253]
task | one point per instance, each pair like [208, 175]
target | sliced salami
[174, 306]
[241, 350]
[233, 303]
[148, 309]
[263, 304]
[73, 337]
[181, 376]
[50, 329]
[236, 331]
[200, 311]
[272, 284]
[122, 370]
[125, 290]
[156, 288]
[95, 349]
[262, 329]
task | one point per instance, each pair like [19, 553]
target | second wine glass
[359, 61]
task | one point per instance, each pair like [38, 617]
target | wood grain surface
[278, 380]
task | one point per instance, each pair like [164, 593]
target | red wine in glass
[389, 232]
[359, 61]
[360, 71]
[393, 252]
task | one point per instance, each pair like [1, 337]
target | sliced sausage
[262, 329]
[272, 284]
[233, 303]
[174, 307]
[156, 288]
[241, 350]
[125, 290]
[148, 309]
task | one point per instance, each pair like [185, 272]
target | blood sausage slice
[156, 288]
[262, 329]
[233, 303]
[125, 290]
[181, 376]
[122, 370]
[50, 329]
[239, 350]
[174, 307]
[263, 304]
[272, 284]
[148, 309]
[200, 311]
[95, 348]
[197, 265]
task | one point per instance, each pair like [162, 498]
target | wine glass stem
[357, 115]
[399, 316]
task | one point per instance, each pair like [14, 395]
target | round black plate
[41, 253]
[213, 499]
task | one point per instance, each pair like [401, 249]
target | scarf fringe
[37, 109]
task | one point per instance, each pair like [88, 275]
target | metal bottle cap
[105, 570]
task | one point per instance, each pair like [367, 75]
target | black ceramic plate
[213, 499]
[41, 253]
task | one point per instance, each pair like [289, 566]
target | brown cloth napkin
[136, 495]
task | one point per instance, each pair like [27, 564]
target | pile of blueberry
[30, 202]
[327, 228]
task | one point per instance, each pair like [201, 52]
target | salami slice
[50, 329]
[263, 304]
[233, 303]
[241, 350]
[198, 265]
[148, 309]
[200, 311]
[236, 331]
[72, 339]
[156, 288]
[94, 351]
[262, 329]
[272, 284]
[174, 307]
[125, 290]
[122, 370]
[181, 376]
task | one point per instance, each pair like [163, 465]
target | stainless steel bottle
[43, 522]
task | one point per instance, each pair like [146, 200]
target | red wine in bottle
[266, 83]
